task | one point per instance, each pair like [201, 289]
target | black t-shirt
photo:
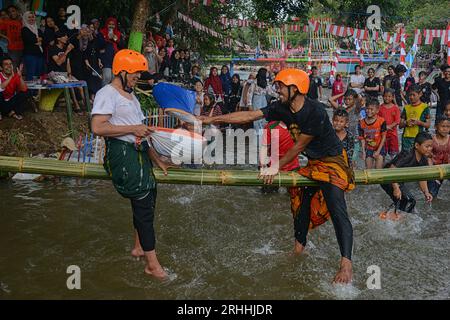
[315, 83]
[406, 159]
[443, 88]
[426, 92]
[397, 87]
[372, 83]
[387, 81]
[311, 120]
[52, 66]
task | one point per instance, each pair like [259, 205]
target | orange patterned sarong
[334, 170]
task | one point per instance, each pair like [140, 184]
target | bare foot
[298, 248]
[157, 272]
[137, 253]
[345, 273]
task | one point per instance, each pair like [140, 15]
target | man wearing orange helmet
[314, 136]
[118, 117]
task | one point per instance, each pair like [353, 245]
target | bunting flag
[314, 25]
[402, 47]
[198, 26]
[430, 34]
[417, 37]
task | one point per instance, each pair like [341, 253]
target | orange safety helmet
[129, 61]
[294, 77]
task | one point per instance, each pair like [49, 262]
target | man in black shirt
[311, 128]
[442, 85]
[315, 87]
[57, 54]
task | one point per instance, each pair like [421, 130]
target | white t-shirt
[124, 112]
[359, 80]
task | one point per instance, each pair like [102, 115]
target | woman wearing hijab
[213, 85]
[225, 77]
[152, 57]
[235, 93]
[33, 54]
[113, 42]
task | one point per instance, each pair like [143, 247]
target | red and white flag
[314, 25]
[417, 37]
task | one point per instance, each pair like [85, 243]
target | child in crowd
[372, 134]
[210, 108]
[418, 156]
[441, 150]
[396, 85]
[391, 114]
[415, 117]
[362, 100]
[340, 124]
[338, 88]
[426, 87]
[447, 110]
[199, 95]
[351, 105]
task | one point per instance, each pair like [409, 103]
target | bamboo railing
[217, 177]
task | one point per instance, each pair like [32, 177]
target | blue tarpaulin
[170, 96]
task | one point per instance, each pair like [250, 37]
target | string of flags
[344, 31]
[200, 27]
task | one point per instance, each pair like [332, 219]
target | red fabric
[13, 86]
[285, 142]
[338, 88]
[13, 30]
[441, 153]
[390, 115]
[391, 146]
[104, 31]
[160, 41]
[215, 83]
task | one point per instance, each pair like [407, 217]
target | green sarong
[130, 168]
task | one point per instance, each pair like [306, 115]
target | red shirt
[13, 86]
[13, 30]
[390, 115]
[285, 142]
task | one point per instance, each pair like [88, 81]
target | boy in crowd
[372, 134]
[415, 118]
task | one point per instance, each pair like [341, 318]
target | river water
[217, 243]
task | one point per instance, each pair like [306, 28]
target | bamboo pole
[217, 177]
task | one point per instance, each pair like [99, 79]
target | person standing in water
[328, 164]
[118, 117]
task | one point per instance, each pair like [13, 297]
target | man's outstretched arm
[234, 118]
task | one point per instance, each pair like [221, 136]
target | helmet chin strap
[291, 99]
[124, 80]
